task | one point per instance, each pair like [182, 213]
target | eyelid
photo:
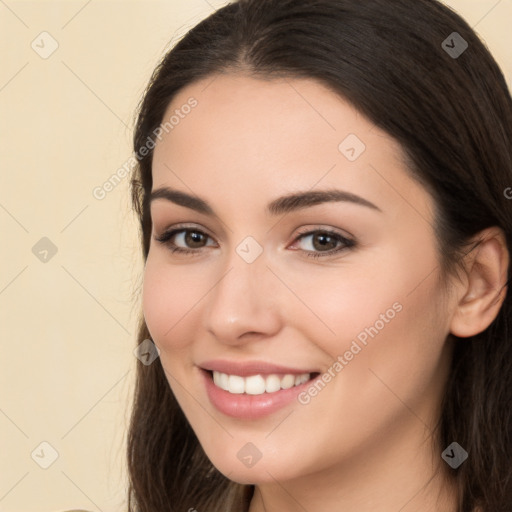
[184, 227]
[325, 229]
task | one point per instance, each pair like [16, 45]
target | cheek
[386, 311]
[335, 305]
[170, 296]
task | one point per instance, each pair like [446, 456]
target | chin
[248, 465]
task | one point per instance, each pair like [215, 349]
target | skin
[247, 142]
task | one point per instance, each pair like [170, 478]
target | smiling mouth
[258, 384]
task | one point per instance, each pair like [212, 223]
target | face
[290, 247]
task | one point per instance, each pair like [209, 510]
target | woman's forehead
[271, 137]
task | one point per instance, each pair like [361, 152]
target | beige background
[68, 324]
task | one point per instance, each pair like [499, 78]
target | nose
[244, 304]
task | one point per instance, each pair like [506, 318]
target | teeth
[257, 384]
[236, 384]
[272, 384]
[288, 381]
[254, 385]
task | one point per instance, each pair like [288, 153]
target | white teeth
[272, 384]
[257, 384]
[288, 381]
[224, 381]
[236, 384]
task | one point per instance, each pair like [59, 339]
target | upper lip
[246, 368]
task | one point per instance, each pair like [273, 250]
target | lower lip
[250, 407]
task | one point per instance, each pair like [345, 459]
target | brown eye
[185, 240]
[322, 243]
[195, 239]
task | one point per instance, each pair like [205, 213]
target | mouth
[253, 391]
[258, 384]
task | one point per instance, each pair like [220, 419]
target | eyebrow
[281, 205]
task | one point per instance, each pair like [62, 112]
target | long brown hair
[451, 113]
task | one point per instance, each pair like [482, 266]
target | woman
[322, 199]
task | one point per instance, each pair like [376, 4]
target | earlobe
[485, 288]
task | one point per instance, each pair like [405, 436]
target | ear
[483, 291]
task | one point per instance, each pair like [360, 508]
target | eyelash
[347, 243]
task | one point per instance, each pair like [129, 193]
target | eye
[185, 240]
[321, 243]
[314, 243]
